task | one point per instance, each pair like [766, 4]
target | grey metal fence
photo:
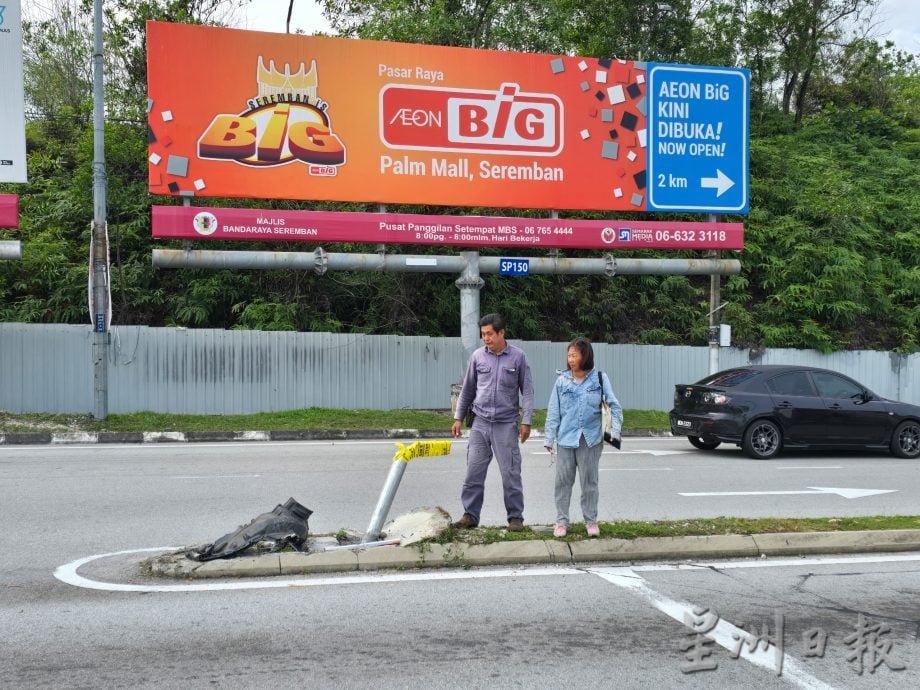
[48, 368]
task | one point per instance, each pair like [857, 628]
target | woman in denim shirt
[573, 423]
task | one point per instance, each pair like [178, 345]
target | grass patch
[727, 525]
[646, 419]
[20, 423]
[687, 528]
[312, 418]
[146, 567]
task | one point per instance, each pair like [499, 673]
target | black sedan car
[766, 408]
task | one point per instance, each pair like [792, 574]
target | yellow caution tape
[421, 449]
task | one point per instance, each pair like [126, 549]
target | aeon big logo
[469, 120]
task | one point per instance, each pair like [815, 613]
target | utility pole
[99, 248]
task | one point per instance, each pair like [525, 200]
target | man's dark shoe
[516, 525]
[466, 522]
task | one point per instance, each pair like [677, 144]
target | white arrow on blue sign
[698, 139]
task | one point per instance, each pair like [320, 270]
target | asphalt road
[537, 627]
[201, 488]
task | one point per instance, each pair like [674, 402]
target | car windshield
[729, 378]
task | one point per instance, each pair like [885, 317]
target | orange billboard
[236, 113]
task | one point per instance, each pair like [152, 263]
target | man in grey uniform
[497, 378]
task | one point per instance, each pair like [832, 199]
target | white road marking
[659, 453]
[216, 476]
[778, 562]
[846, 493]
[812, 467]
[656, 453]
[636, 469]
[724, 633]
[67, 573]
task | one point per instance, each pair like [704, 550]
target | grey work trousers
[501, 439]
[587, 460]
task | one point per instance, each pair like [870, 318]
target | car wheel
[906, 440]
[704, 442]
[762, 440]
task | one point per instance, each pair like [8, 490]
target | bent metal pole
[397, 469]
[387, 494]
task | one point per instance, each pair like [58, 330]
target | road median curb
[807, 543]
[22, 438]
[539, 551]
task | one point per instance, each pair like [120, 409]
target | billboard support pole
[381, 248]
[322, 261]
[714, 311]
[554, 214]
[10, 250]
[469, 283]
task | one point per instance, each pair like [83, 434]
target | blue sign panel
[698, 139]
[514, 267]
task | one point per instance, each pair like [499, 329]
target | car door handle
[835, 406]
[785, 403]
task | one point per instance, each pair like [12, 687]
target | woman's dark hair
[496, 321]
[583, 345]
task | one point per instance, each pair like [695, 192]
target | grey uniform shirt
[497, 386]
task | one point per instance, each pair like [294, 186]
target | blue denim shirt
[494, 384]
[575, 409]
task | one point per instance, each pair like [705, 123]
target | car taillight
[715, 398]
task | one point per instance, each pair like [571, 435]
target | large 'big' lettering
[273, 134]
[505, 121]
[480, 121]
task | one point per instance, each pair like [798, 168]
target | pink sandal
[560, 530]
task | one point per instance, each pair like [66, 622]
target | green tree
[832, 251]
[802, 32]
[57, 61]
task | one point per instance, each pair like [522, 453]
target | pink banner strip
[9, 211]
[195, 223]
